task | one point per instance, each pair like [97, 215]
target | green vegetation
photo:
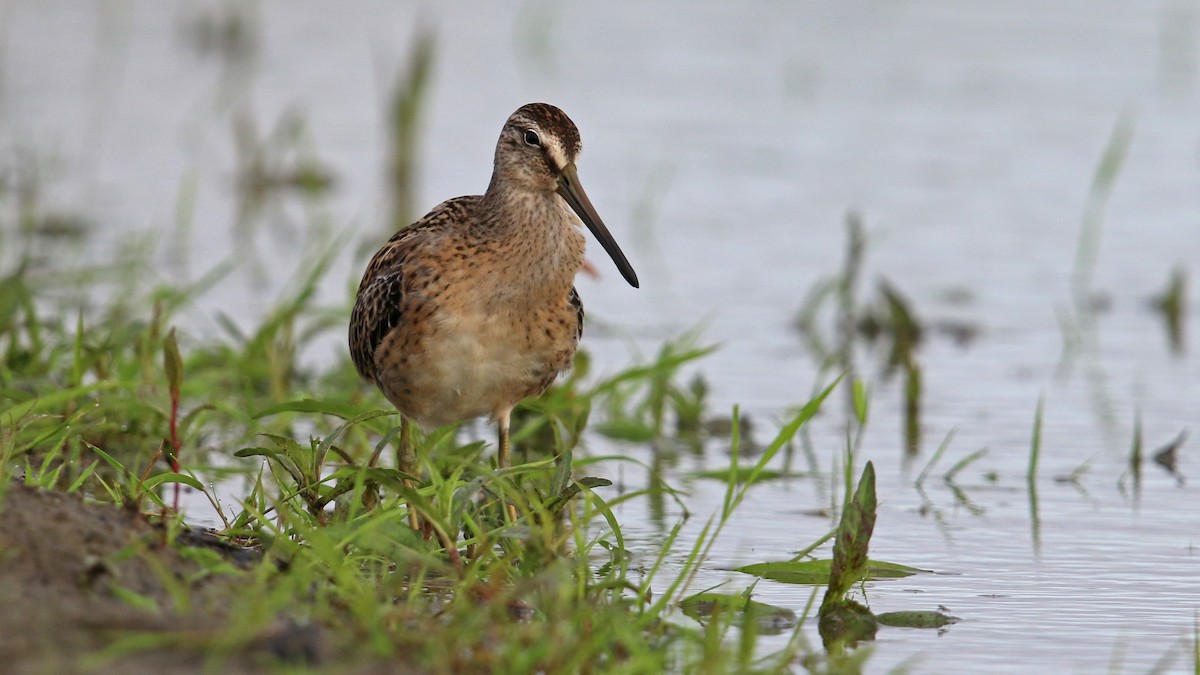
[116, 407]
[120, 404]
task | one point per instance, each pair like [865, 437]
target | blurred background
[1025, 176]
[724, 146]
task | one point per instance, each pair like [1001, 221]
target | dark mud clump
[78, 579]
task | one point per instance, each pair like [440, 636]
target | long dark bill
[571, 190]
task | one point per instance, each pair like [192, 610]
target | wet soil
[77, 579]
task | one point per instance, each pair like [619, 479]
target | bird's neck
[539, 236]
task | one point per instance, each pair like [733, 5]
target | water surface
[724, 144]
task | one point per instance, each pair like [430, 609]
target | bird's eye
[531, 138]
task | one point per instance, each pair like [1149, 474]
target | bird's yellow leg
[503, 457]
[406, 461]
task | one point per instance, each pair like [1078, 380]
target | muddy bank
[79, 580]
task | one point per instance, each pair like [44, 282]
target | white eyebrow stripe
[555, 150]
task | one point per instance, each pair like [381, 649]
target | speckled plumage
[473, 308]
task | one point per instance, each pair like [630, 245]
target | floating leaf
[916, 619]
[771, 620]
[818, 571]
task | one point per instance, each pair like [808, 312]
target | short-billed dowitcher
[473, 308]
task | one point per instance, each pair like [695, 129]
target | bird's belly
[478, 364]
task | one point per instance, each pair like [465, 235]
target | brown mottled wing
[377, 308]
[577, 303]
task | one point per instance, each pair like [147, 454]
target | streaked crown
[537, 141]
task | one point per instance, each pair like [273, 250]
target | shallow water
[724, 145]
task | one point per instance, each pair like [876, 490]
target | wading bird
[473, 308]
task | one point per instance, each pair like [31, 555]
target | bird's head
[537, 151]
